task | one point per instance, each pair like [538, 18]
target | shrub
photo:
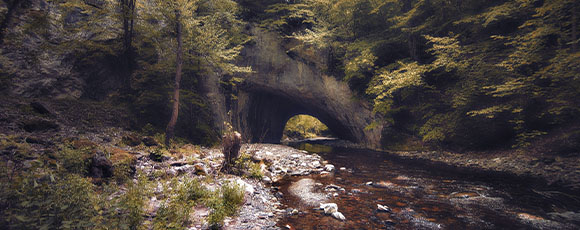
[74, 160]
[174, 212]
[123, 171]
[224, 202]
[49, 202]
[132, 205]
[17, 151]
[124, 211]
[245, 166]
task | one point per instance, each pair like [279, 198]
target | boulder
[39, 125]
[131, 140]
[39, 108]
[100, 166]
[200, 169]
[149, 141]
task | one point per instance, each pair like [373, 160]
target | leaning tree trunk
[170, 130]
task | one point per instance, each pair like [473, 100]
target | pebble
[383, 208]
[266, 180]
[315, 164]
[329, 167]
[329, 208]
[279, 195]
[339, 216]
[294, 211]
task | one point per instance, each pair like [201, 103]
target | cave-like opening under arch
[304, 126]
[268, 112]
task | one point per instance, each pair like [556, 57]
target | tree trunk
[574, 29]
[169, 131]
[12, 7]
[128, 14]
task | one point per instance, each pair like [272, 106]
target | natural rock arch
[285, 85]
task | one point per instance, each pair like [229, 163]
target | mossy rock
[131, 140]
[84, 144]
[39, 125]
[149, 141]
[123, 164]
[119, 155]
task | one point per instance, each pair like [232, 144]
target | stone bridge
[284, 85]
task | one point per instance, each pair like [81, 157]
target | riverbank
[552, 169]
[128, 178]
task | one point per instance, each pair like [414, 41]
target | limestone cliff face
[283, 86]
[39, 61]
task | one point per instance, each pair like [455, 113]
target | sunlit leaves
[387, 82]
[448, 53]
[356, 67]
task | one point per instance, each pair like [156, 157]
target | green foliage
[174, 212]
[123, 170]
[502, 71]
[17, 150]
[212, 39]
[304, 126]
[74, 160]
[125, 211]
[224, 202]
[439, 128]
[406, 76]
[43, 197]
[157, 154]
[39, 201]
[245, 166]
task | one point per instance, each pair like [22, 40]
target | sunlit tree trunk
[170, 130]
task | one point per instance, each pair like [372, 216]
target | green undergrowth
[175, 212]
[224, 202]
[247, 168]
[54, 191]
[45, 199]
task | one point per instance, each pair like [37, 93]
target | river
[423, 196]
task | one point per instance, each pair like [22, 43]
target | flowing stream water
[423, 196]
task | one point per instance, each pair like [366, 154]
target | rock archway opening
[267, 114]
[303, 126]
